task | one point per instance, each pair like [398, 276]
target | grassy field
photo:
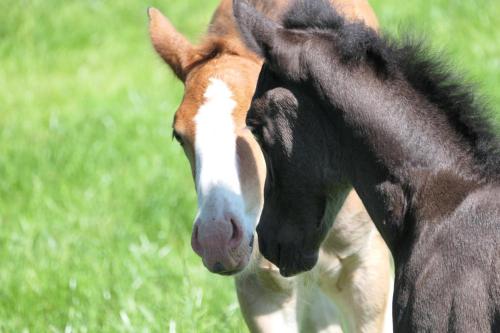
[96, 201]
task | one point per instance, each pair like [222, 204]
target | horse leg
[267, 300]
[354, 269]
[315, 310]
[272, 303]
[363, 289]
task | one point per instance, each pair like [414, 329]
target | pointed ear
[257, 31]
[171, 45]
[267, 39]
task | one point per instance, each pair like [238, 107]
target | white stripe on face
[217, 180]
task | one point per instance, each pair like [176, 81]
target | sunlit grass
[96, 202]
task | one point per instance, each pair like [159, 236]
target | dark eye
[177, 137]
[257, 134]
[255, 127]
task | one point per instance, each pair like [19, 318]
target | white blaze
[217, 180]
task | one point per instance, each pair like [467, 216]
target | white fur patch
[217, 181]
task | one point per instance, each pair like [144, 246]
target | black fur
[427, 73]
[337, 105]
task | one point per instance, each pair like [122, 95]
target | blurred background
[96, 200]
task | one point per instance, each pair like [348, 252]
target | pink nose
[217, 242]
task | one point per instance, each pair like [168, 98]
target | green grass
[96, 201]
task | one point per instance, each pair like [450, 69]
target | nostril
[196, 232]
[237, 234]
[195, 243]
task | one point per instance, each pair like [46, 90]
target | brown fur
[222, 52]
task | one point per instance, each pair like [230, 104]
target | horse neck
[396, 147]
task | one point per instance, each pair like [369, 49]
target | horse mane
[410, 58]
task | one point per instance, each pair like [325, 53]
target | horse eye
[256, 132]
[253, 129]
[177, 137]
[254, 126]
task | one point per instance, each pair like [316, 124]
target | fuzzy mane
[427, 74]
[303, 14]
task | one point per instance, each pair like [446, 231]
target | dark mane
[304, 14]
[410, 58]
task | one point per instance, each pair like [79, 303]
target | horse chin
[297, 264]
[290, 259]
[236, 260]
[288, 248]
[239, 268]
[236, 269]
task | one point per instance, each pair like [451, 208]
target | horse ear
[170, 44]
[257, 31]
[265, 37]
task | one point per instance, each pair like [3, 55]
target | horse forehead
[236, 76]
